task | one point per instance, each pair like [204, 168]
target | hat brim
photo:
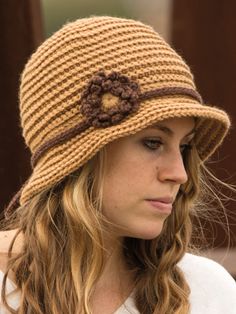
[64, 159]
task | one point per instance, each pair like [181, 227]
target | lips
[162, 204]
[165, 200]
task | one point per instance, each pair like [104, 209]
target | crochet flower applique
[108, 99]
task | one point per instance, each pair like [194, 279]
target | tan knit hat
[98, 79]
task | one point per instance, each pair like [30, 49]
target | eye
[152, 143]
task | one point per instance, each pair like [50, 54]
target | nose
[173, 168]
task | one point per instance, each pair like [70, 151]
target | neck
[115, 275]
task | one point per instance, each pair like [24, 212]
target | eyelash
[158, 143]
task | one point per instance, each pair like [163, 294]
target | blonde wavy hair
[63, 252]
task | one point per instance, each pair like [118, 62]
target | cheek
[122, 187]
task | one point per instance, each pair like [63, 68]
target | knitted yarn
[98, 79]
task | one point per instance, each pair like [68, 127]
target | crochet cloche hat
[98, 79]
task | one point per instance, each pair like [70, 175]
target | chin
[147, 234]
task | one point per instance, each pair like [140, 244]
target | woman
[119, 138]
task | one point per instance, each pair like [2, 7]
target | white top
[213, 290]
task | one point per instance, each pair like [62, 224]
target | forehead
[185, 125]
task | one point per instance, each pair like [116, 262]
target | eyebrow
[170, 132]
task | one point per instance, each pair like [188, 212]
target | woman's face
[143, 175]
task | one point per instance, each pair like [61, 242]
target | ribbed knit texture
[58, 72]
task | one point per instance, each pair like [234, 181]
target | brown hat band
[123, 97]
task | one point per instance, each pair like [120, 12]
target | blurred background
[203, 32]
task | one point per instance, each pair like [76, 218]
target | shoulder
[212, 287]
[198, 266]
[6, 238]
[12, 295]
